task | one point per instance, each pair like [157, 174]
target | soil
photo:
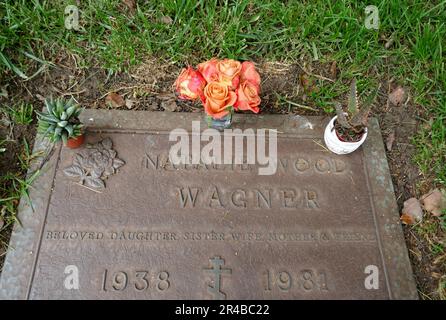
[149, 87]
[347, 135]
[9, 163]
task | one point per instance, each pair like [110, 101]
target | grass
[21, 113]
[431, 144]
[32, 34]
[15, 186]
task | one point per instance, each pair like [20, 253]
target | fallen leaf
[1, 222]
[412, 211]
[114, 100]
[4, 92]
[434, 201]
[389, 43]
[398, 96]
[129, 103]
[166, 20]
[130, 4]
[40, 97]
[333, 70]
[390, 140]
[153, 106]
[407, 219]
[169, 105]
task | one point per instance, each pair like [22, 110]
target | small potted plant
[60, 122]
[347, 131]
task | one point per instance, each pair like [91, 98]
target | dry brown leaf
[398, 96]
[4, 92]
[129, 103]
[333, 70]
[1, 222]
[412, 211]
[40, 97]
[407, 219]
[153, 106]
[389, 43]
[130, 4]
[390, 140]
[114, 100]
[434, 201]
[166, 20]
[169, 105]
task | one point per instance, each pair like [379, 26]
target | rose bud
[249, 73]
[247, 97]
[209, 70]
[190, 84]
[218, 99]
[229, 72]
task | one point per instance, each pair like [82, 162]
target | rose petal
[249, 73]
[247, 97]
[208, 70]
[189, 84]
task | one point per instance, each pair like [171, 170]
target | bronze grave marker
[119, 221]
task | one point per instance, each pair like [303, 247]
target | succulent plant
[61, 120]
[354, 119]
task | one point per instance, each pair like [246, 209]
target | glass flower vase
[221, 123]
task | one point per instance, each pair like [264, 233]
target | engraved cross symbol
[217, 271]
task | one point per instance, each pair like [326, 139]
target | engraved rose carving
[95, 164]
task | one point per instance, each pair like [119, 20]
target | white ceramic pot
[337, 146]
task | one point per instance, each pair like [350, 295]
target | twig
[300, 105]
[116, 90]
[320, 145]
[69, 93]
[80, 184]
[315, 75]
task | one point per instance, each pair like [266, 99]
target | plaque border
[20, 263]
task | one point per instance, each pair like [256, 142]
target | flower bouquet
[222, 86]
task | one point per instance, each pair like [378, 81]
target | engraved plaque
[323, 226]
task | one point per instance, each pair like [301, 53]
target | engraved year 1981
[140, 280]
[306, 280]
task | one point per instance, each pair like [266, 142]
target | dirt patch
[10, 169]
[149, 87]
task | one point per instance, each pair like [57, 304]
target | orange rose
[218, 98]
[248, 97]
[229, 71]
[249, 73]
[209, 70]
[190, 84]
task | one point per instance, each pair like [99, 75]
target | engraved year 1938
[140, 280]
